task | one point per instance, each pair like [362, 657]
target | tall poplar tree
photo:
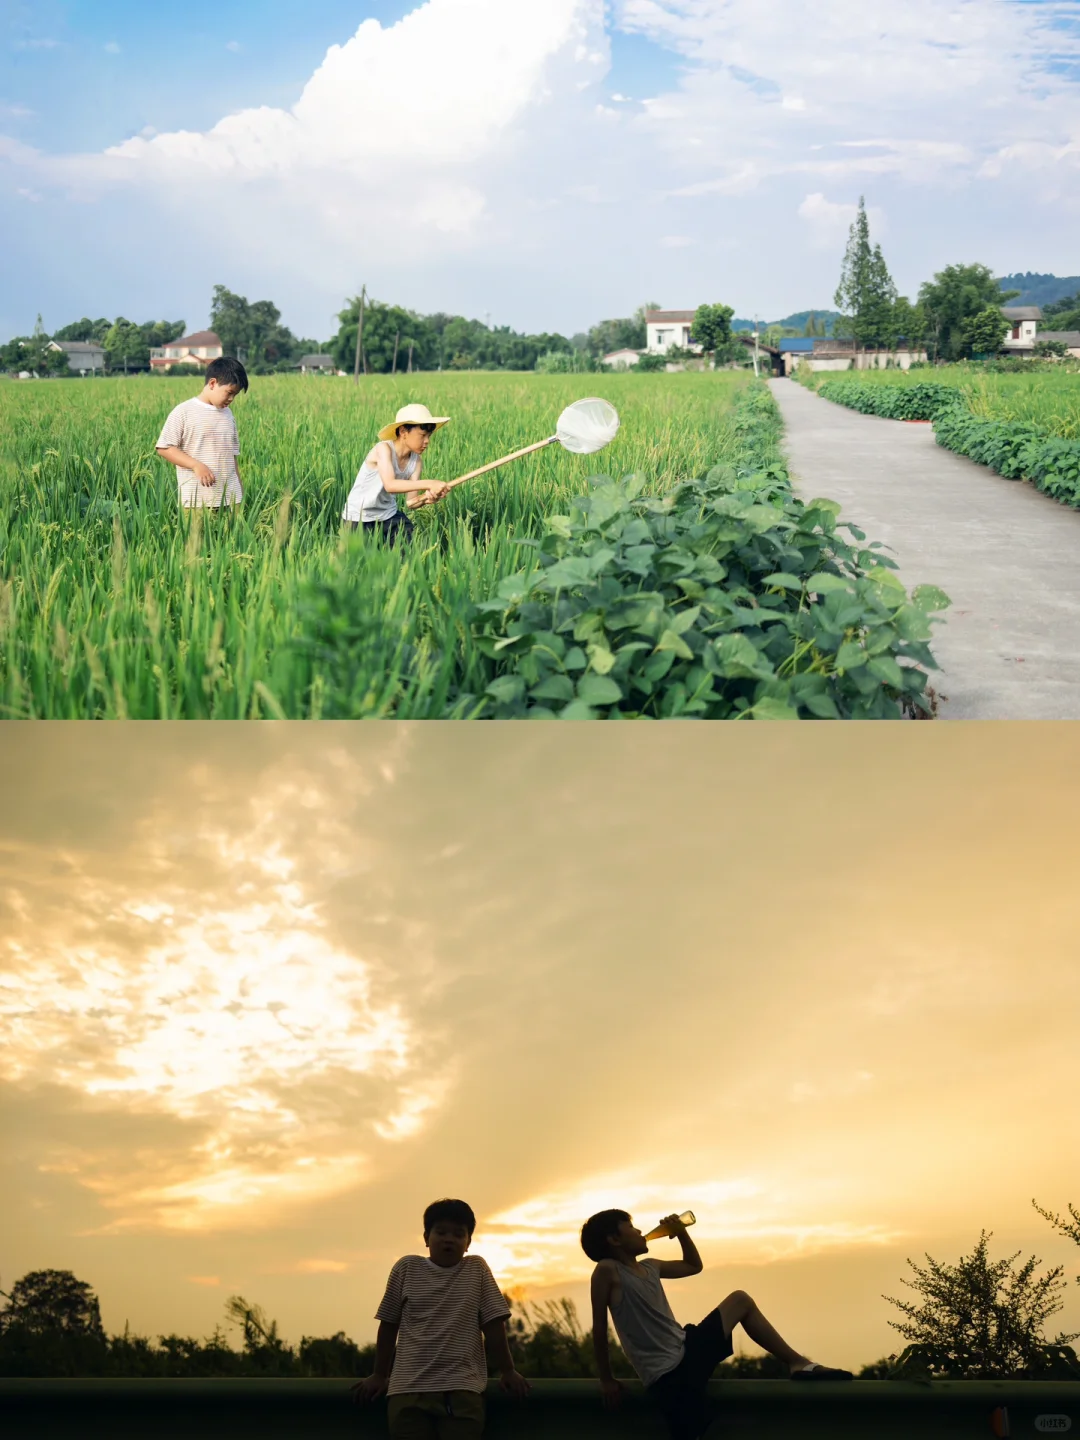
[866, 294]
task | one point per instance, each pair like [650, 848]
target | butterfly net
[587, 426]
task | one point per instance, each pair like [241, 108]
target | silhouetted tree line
[975, 1320]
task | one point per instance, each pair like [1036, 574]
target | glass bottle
[661, 1232]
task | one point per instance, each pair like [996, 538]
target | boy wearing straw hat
[394, 467]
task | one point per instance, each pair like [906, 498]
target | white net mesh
[587, 426]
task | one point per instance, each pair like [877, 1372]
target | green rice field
[114, 603]
[1048, 397]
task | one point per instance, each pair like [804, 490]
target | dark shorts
[680, 1393]
[453, 1415]
[398, 527]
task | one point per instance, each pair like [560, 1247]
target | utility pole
[410, 357]
[757, 372]
[397, 342]
[360, 339]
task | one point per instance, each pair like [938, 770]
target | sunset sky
[266, 991]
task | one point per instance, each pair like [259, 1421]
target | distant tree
[263, 1346]
[229, 316]
[159, 332]
[84, 329]
[126, 347]
[712, 327]
[13, 354]
[983, 333]
[956, 295]
[1051, 349]
[564, 362]
[814, 327]
[1070, 1228]
[252, 331]
[629, 333]
[878, 1369]
[335, 1355]
[51, 1325]
[53, 1300]
[908, 324]
[753, 1367]
[982, 1319]
[547, 1341]
[1063, 314]
[866, 294]
[853, 289]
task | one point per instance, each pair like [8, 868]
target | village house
[197, 349]
[621, 359]
[83, 356]
[1024, 320]
[831, 353]
[1069, 338]
[317, 365]
[1025, 334]
[665, 328]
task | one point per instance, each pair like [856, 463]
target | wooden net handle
[529, 449]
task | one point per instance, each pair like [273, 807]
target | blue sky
[565, 159]
[112, 67]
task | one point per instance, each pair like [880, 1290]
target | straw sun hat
[412, 415]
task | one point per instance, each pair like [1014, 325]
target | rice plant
[114, 603]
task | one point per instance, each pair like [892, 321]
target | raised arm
[690, 1264]
[603, 1282]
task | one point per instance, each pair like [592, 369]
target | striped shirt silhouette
[439, 1310]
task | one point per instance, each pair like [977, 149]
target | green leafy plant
[923, 400]
[727, 598]
[982, 1319]
[1017, 449]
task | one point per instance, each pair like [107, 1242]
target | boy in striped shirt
[435, 1317]
[200, 438]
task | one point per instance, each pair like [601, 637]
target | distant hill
[794, 322]
[1040, 289]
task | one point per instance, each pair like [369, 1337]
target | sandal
[821, 1372]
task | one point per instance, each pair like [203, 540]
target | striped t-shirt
[209, 434]
[439, 1310]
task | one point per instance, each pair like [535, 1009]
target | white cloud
[830, 221]
[111, 48]
[470, 144]
[472, 72]
[768, 81]
[233, 45]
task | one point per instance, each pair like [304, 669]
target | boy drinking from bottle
[437, 1313]
[674, 1362]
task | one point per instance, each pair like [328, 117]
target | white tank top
[652, 1339]
[367, 498]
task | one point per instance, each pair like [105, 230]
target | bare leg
[740, 1309]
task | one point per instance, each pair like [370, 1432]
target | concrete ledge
[567, 1409]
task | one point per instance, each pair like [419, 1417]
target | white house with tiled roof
[1024, 320]
[621, 359]
[83, 356]
[665, 328]
[197, 349]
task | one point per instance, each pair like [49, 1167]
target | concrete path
[1006, 555]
